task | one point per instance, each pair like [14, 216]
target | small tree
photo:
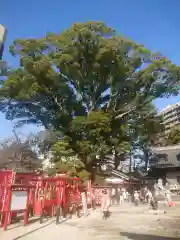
[18, 155]
[174, 136]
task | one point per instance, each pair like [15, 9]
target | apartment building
[3, 32]
[171, 116]
[3, 64]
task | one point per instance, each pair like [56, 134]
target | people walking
[121, 197]
[136, 198]
[118, 196]
[124, 194]
[105, 203]
[149, 196]
[168, 197]
[113, 196]
[128, 197]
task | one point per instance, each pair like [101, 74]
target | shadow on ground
[28, 233]
[29, 222]
[137, 236]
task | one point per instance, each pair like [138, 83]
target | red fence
[22, 192]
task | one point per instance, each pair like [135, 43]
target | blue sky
[154, 23]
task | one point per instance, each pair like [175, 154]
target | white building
[171, 116]
[3, 65]
[3, 32]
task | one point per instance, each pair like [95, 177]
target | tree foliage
[66, 75]
[86, 83]
[148, 125]
[72, 166]
[174, 136]
[91, 138]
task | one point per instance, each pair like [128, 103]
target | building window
[153, 159]
[162, 157]
[178, 156]
[178, 179]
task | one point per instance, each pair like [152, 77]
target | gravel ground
[126, 222]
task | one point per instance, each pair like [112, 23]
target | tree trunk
[93, 175]
[118, 160]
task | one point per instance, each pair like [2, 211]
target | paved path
[126, 222]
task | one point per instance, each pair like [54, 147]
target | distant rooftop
[165, 148]
[165, 157]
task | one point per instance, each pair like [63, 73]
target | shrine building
[165, 163]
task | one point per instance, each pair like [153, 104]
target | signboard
[18, 200]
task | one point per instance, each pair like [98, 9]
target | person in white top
[105, 203]
[168, 197]
[113, 196]
[136, 197]
[124, 194]
[121, 196]
[149, 196]
[118, 196]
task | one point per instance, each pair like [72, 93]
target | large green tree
[84, 68]
[65, 78]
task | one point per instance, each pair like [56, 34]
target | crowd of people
[117, 196]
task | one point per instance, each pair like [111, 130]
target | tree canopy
[86, 83]
[174, 136]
